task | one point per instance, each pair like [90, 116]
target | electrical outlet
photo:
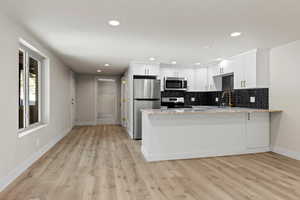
[217, 99]
[252, 99]
[193, 99]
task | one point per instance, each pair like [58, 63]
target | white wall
[86, 97]
[285, 95]
[17, 153]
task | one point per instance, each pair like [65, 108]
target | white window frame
[27, 53]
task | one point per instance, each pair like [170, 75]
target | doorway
[107, 101]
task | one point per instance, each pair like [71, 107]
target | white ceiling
[168, 30]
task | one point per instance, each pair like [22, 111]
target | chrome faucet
[229, 92]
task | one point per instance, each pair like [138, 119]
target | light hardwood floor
[102, 163]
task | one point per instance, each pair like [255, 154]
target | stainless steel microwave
[175, 83]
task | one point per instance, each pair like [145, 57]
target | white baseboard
[27, 163]
[85, 123]
[286, 152]
[180, 156]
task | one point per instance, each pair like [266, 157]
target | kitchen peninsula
[204, 131]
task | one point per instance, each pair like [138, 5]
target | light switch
[217, 99]
[252, 99]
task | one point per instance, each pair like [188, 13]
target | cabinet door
[237, 64]
[153, 70]
[139, 69]
[250, 69]
[226, 66]
[187, 73]
[258, 130]
[211, 72]
[200, 79]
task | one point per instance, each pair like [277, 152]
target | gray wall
[285, 95]
[16, 152]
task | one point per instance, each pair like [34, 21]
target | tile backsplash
[242, 98]
[250, 98]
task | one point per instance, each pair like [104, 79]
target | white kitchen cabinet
[200, 79]
[153, 69]
[188, 73]
[212, 72]
[238, 71]
[257, 130]
[225, 67]
[140, 68]
[215, 134]
[251, 69]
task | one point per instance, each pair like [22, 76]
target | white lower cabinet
[257, 130]
[171, 136]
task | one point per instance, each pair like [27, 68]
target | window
[30, 84]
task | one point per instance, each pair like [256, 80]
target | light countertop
[205, 110]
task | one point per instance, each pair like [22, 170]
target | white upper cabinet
[153, 69]
[213, 83]
[200, 79]
[251, 69]
[188, 73]
[225, 67]
[238, 71]
[140, 68]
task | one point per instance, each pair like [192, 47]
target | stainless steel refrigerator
[146, 95]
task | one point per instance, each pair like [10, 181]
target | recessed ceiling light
[197, 63]
[114, 22]
[106, 65]
[219, 59]
[174, 62]
[151, 59]
[235, 34]
[99, 70]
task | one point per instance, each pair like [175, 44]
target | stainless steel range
[173, 102]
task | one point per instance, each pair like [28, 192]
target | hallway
[102, 163]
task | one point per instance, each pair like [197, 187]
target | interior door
[107, 102]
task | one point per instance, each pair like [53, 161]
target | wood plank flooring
[102, 163]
